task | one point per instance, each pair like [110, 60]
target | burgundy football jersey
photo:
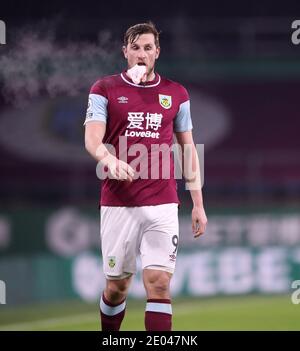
[144, 114]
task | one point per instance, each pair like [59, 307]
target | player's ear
[124, 49]
[157, 53]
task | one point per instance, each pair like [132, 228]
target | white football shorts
[149, 231]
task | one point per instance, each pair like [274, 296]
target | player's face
[142, 51]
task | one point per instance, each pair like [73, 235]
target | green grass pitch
[215, 313]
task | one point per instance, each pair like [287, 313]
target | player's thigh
[119, 234]
[159, 242]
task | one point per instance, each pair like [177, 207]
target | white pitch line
[76, 319]
[51, 322]
[73, 319]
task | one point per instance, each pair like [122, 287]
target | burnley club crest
[165, 101]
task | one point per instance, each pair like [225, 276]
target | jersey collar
[150, 84]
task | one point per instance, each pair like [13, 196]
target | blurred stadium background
[243, 74]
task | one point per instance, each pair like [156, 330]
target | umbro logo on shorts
[172, 258]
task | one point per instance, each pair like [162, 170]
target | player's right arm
[95, 127]
[94, 134]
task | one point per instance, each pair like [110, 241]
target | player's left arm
[191, 173]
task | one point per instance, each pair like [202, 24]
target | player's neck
[150, 76]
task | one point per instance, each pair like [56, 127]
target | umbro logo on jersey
[122, 100]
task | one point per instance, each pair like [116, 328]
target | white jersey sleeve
[97, 108]
[183, 120]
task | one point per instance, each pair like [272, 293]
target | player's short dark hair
[135, 31]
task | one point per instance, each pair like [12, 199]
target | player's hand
[120, 170]
[199, 221]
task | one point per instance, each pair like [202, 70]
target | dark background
[242, 71]
[238, 55]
